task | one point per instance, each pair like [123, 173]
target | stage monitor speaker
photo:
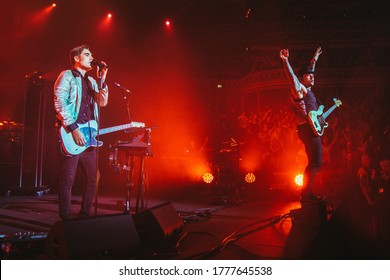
[159, 226]
[307, 224]
[310, 214]
[100, 237]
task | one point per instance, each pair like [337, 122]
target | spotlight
[106, 21]
[208, 178]
[299, 180]
[250, 178]
[168, 23]
[54, 5]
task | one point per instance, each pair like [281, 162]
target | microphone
[123, 88]
[100, 64]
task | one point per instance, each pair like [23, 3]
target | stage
[191, 223]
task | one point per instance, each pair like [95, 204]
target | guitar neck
[330, 110]
[116, 128]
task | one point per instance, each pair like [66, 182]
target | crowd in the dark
[358, 127]
[356, 142]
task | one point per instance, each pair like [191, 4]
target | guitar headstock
[337, 102]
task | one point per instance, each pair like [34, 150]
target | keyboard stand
[140, 147]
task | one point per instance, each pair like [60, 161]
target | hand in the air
[317, 53]
[284, 54]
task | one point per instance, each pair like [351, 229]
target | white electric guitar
[317, 118]
[90, 130]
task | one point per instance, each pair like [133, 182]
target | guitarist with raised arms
[305, 101]
[76, 97]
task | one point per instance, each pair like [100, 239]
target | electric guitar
[89, 130]
[317, 118]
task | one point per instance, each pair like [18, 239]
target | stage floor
[268, 226]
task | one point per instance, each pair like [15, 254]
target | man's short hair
[75, 52]
[305, 70]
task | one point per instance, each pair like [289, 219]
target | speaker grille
[101, 237]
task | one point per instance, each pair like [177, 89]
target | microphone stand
[127, 105]
[125, 97]
[130, 161]
[100, 86]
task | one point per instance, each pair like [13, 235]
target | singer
[76, 97]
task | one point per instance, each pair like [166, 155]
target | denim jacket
[67, 97]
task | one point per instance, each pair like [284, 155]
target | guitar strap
[319, 102]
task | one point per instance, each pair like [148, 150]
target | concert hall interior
[216, 172]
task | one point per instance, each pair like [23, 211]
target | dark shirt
[304, 105]
[87, 102]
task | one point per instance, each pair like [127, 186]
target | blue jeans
[68, 168]
[313, 148]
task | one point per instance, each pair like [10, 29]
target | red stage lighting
[41, 16]
[299, 180]
[208, 178]
[250, 178]
[168, 23]
[106, 22]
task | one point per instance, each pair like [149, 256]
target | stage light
[299, 180]
[106, 22]
[168, 23]
[41, 16]
[208, 178]
[250, 178]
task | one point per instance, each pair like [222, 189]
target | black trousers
[68, 165]
[313, 148]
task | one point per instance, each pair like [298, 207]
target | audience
[358, 127]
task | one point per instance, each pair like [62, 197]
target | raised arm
[297, 89]
[315, 58]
